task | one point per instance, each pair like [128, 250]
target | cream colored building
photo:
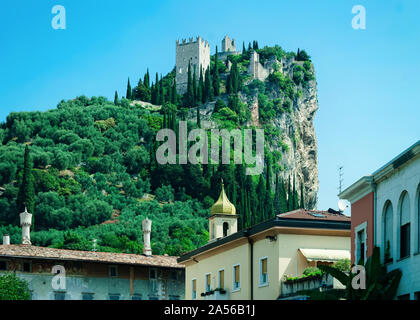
[250, 264]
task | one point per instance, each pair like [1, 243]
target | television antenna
[340, 178]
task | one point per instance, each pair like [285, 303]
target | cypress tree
[116, 98]
[302, 199]
[243, 48]
[174, 93]
[289, 197]
[249, 47]
[146, 80]
[295, 195]
[208, 88]
[157, 89]
[261, 198]
[26, 193]
[194, 85]
[200, 92]
[128, 95]
[198, 117]
[283, 197]
[162, 92]
[190, 89]
[216, 78]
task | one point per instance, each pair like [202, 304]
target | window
[115, 296]
[173, 297]
[236, 278]
[153, 298]
[417, 295]
[59, 296]
[388, 233]
[221, 279]
[87, 296]
[113, 271]
[207, 282]
[225, 228]
[152, 274]
[404, 297]
[405, 226]
[26, 267]
[136, 297]
[361, 246]
[3, 265]
[263, 271]
[194, 289]
[174, 274]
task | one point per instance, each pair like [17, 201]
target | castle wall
[195, 52]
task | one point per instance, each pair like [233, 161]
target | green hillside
[92, 168]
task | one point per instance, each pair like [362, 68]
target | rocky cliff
[296, 138]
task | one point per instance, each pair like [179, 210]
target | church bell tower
[223, 220]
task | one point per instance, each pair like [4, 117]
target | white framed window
[221, 280]
[236, 271]
[194, 289]
[360, 242]
[404, 225]
[263, 271]
[207, 282]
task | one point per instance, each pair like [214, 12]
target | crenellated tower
[197, 53]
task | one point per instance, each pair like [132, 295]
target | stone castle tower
[228, 45]
[197, 53]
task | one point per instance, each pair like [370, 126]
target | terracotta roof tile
[314, 215]
[29, 251]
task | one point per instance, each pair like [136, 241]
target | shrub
[13, 288]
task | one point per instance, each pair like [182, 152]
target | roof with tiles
[314, 215]
[34, 252]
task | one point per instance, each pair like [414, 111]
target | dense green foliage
[13, 288]
[86, 168]
[380, 284]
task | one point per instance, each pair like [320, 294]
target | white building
[386, 213]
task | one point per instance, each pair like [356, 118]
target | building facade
[251, 264]
[92, 275]
[195, 54]
[59, 274]
[385, 208]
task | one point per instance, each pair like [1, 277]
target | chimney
[147, 228]
[6, 239]
[25, 223]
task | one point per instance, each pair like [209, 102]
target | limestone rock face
[298, 132]
[297, 140]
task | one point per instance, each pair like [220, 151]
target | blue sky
[368, 80]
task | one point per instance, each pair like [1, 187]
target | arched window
[225, 228]
[388, 232]
[405, 226]
[418, 218]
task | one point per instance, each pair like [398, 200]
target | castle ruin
[228, 45]
[197, 54]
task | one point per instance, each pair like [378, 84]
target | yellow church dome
[223, 205]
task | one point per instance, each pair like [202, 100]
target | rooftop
[34, 252]
[297, 219]
[314, 215]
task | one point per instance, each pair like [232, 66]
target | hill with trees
[87, 169]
